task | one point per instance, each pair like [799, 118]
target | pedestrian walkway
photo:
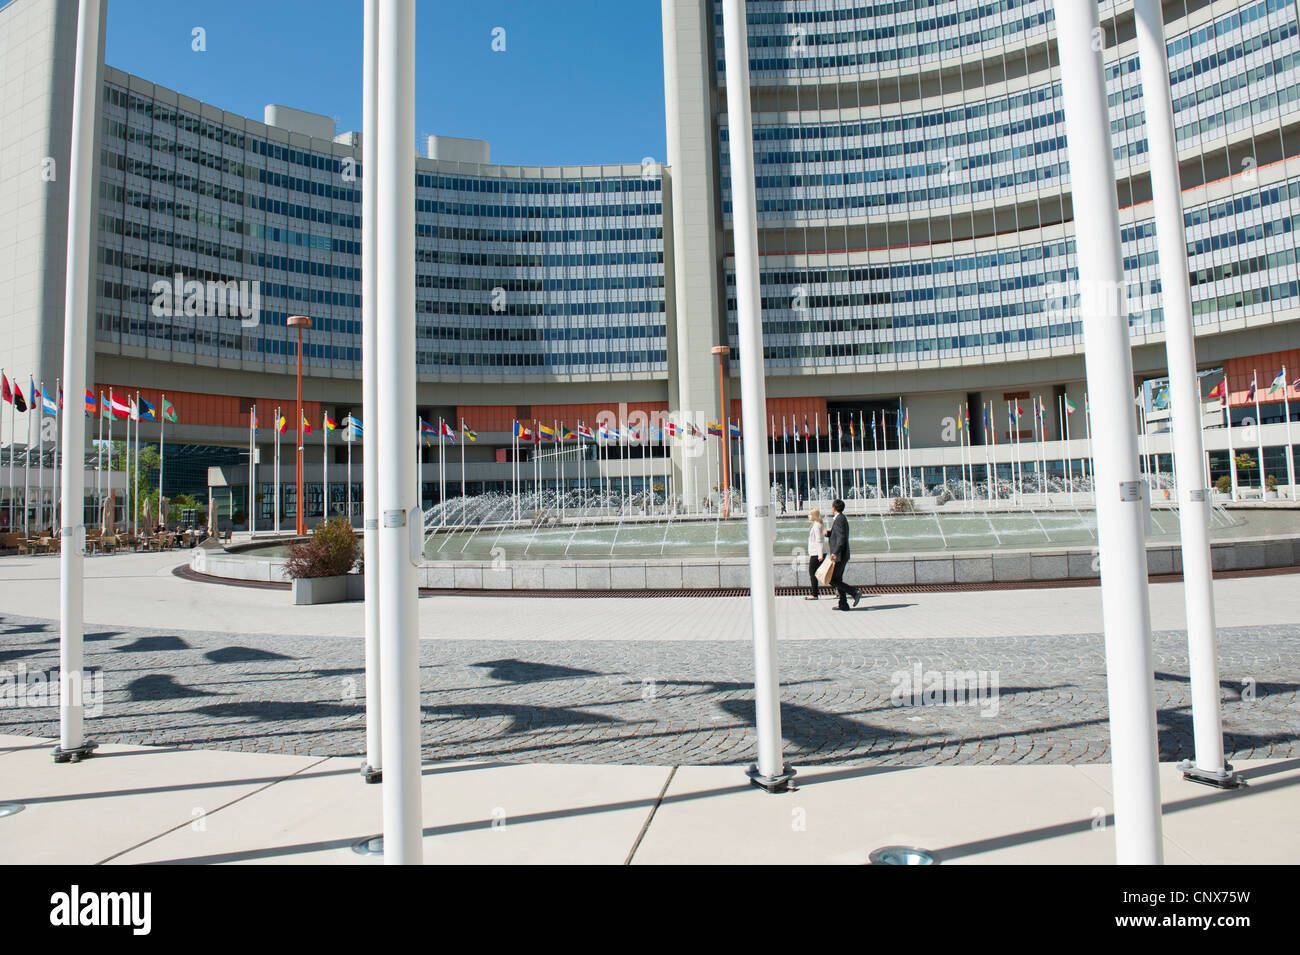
[134, 804]
[139, 590]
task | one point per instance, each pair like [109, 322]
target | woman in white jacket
[816, 548]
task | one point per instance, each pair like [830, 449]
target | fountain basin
[503, 558]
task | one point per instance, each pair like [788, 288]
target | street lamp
[722, 351]
[300, 322]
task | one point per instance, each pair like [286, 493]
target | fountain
[948, 532]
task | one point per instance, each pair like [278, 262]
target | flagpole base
[1222, 779]
[780, 783]
[371, 775]
[75, 754]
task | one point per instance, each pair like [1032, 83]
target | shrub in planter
[331, 551]
[1224, 485]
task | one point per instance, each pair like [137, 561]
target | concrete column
[697, 326]
[770, 772]
[1185, 398]
[1120, 504]
[400, 520]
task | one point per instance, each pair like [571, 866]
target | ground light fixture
[371, 846]
[901, 855]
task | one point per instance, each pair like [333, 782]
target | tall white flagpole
[1259, 434]
[135, 498]
[40, 464]
[372, 768]
[1290, 453]
[1067, 462]
[1190, 473]
[325, 463]
[72, 744]
[162, 451]
[1227, 420]
[769, 770]
[55, 513]
[463, 492]
[252, 476]
[27, 462]
[1121, 511]
[275, 519]
[401, 526]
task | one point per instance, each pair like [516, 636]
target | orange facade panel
[1241, 371]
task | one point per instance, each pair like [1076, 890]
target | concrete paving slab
[474, 813]
[87, 812]
[1228, 827]
[965, 814]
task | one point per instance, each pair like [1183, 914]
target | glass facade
[520, 272]
[913, 179]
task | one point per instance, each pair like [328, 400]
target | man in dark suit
[839, 552]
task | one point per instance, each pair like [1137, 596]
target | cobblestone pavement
[1034, 699]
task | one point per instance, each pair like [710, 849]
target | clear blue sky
[580, 81]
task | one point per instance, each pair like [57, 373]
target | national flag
[671, 429]
[633, 434]
[5, 393]
[1220, 391]
[306, 425]
[252, 417]
[169, 412]
[1069, 406]
[547, 432]
[134, 412]
[36, 392]
[873, 427]
[330, 423]
[570, 436]
[147, 411]
[715, 430]
[48, 403]
[18, 401]
[609, 434]
[428, 432]
[1250, 395]
[522, 433]
[1279, 383]
[694, 431]
[966, 413]
[735, 430]
[92, 406]
[805, 427]
[852, 432]
[281, 424]
[118, 409]
[906, 426]
[446, 432]
[984, 410]
[354, 427]
[1018, 411]
[959, 426]
[584, 431]
[467, 433]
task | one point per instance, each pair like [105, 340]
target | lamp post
[300, 322]
[722, 351]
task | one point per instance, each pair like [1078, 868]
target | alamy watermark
[194, 299]
[20, 688]
[921, 687]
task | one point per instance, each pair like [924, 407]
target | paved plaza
[658, 681]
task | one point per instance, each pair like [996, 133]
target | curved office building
[914, 205]
[915, 235]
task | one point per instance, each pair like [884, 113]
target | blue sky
[580, 81]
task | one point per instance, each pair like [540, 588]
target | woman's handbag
[825, 571]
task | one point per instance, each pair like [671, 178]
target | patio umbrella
[107, 514]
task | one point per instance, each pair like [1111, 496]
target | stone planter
[328, 590]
